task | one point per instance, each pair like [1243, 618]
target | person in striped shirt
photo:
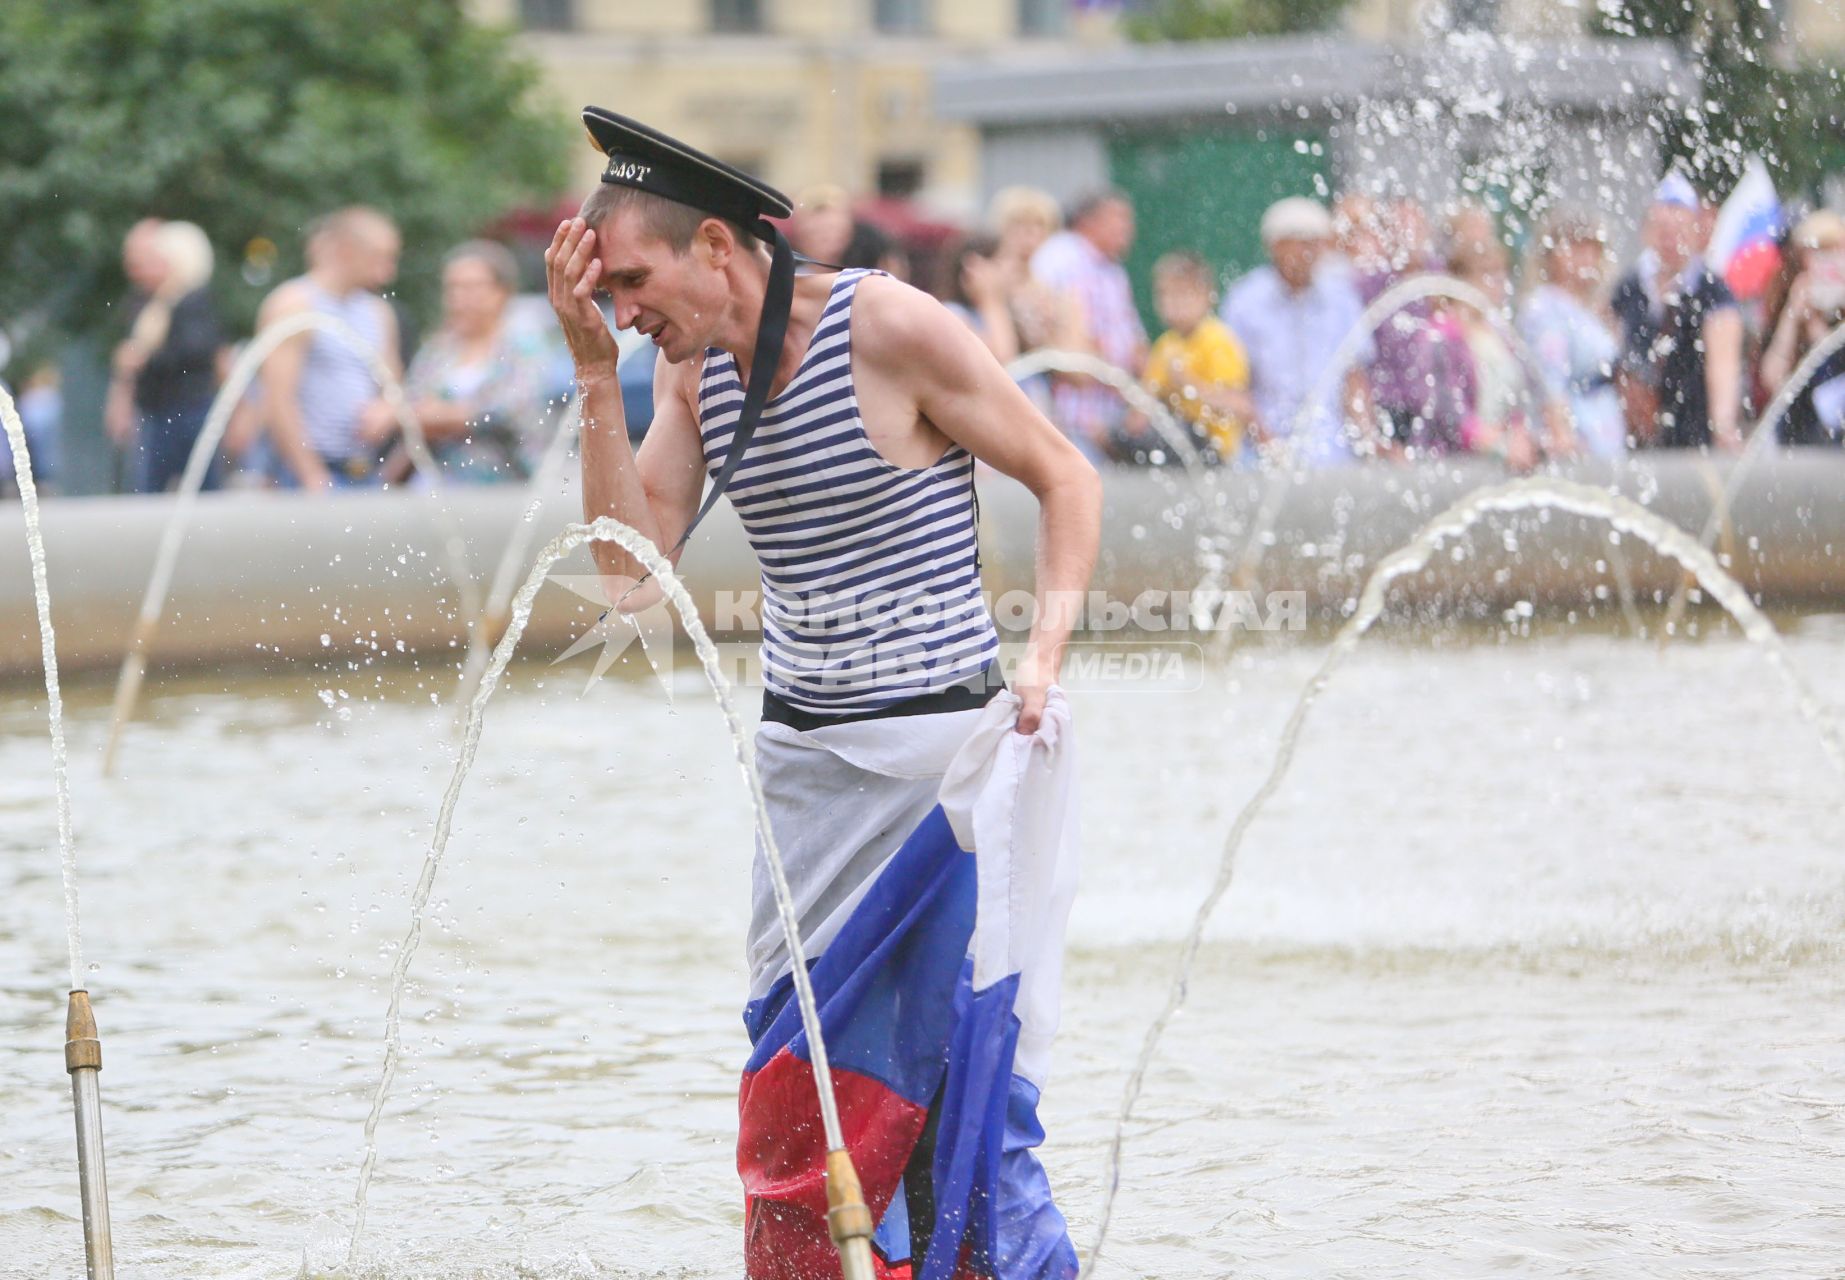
[845, 413]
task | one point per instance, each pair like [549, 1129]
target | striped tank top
[336, 381]
[870, 571]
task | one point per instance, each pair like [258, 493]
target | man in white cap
[1291, 317]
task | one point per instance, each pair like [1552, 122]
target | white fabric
[1009, 797]
[843, 798]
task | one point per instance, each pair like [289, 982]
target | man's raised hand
[571, 274]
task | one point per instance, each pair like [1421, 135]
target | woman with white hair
[166, 370]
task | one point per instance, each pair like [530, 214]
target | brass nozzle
[847, 1216]
[81, 1047]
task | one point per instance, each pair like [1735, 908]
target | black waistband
[969, 695]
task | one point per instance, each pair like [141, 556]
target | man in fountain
[845, 413]
[319, 392]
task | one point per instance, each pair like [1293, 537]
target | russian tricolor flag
[937, 990]
[1744, 246]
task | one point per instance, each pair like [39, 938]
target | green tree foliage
[1760, 94]
[1230, 19]
[249, 117]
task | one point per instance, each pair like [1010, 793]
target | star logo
[616, 632]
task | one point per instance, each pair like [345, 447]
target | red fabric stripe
[781, 1155]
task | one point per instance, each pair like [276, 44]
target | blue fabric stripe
[907, 937]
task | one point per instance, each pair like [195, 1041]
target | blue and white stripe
[336, 381]
[870, 571]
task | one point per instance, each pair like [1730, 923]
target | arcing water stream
[1761, 439]
[482, 638]
[637, 545]
[1519, 495]
[82, 1047]
[205, 448]
[1573, 498]
[48, 648]
[1385, 305]
[1125, 384]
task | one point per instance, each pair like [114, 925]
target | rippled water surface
[1535, 967]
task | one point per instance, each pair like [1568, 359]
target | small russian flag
[1743, 245]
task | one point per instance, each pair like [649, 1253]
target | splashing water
[48, 649]
[1214, 542]
[1385, 305]
[636, 544]
[481, 639]
[211, 433]
[1627, 517]
[1761, 439]
[1177, 438]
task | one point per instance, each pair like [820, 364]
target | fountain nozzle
[848, 1219]
[83, 1059]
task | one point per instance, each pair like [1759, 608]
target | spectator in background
[144, 267]
[1682, 360]
[1571, 335]
[245, 451]
[1023, 218]
[974, 288]
[1359, 245]
[822, 225]
[1498, 385]
[1197, 366]
[1291, 319]
[165, 372]
[871, 248]
[1815, 306]
[318, 391]
[476, 385]
[1085, 263]
[1412, 365]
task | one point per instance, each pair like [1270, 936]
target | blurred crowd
[1550, 353]
[1553, 353]
[481, 391]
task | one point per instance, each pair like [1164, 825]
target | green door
[1205, 190]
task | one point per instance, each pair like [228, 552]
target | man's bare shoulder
[897, 325]
[289, 298]
[678, 382]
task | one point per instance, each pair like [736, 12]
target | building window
[737, 17]
[901, 17]
[1044, 17]
[548, 15]
[900, 179]
[1474, 15]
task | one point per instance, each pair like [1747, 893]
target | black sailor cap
[651, 161]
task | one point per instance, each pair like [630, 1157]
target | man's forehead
[625, 233]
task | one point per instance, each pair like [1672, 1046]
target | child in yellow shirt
[1197, 366]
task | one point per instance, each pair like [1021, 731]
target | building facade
[802, 92]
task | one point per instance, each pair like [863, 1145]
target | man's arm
[281, 393]
[388, 341]
[1723, 347]
[656, 491]
[1783, 350]
[912, 342]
